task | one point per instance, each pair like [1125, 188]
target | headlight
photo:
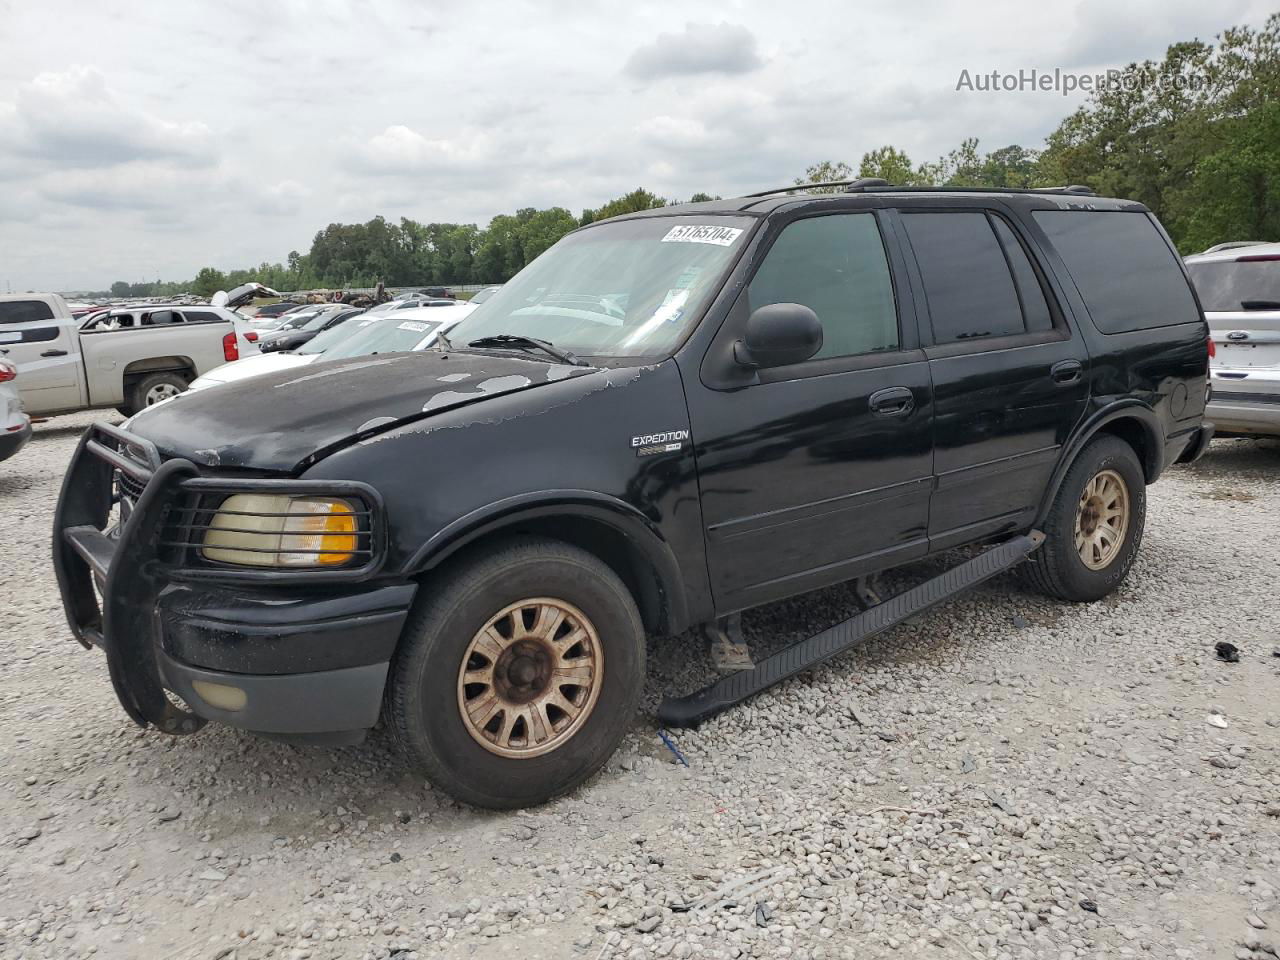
[274, 530]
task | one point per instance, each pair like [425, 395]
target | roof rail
[877, 184]
[1233, 244]
[800, 186]
[1079, 188]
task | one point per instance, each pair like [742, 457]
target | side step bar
[731, 690]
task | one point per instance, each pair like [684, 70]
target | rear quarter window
[25, 311]
[1127, 274]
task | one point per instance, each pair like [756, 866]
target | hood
[241, 295]
[252, 367]
[282, 421]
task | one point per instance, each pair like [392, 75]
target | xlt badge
[668, 441]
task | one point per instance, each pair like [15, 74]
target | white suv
[1239, 288]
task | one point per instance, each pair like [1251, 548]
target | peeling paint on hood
[279, 422]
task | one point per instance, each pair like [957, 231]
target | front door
[1010, 378]
[44, 350]
[819, 471]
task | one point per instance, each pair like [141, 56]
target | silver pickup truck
[128, 358]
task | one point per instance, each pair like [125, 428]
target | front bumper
[11, 441]
[265, 650]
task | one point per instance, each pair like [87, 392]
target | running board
[727, 692]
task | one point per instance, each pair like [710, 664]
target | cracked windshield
[623, 289]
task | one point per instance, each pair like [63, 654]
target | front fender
[641, 533]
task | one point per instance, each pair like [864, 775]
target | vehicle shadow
[16, 482]
[1234, 459]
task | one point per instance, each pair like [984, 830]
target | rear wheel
[1094, 528]
[152, 389]
[519, 674]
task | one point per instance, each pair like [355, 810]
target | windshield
[623, 289]
[325, 339]
[294, 321]
[482, 295]
[315, 322]
[373, 335]
[1226, 285]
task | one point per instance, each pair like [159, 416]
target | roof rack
[876, 184]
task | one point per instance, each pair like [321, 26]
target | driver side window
[836, 266]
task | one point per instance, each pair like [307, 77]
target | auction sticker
[690, 233]
[414, 326]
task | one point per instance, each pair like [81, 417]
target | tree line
[1195, 136]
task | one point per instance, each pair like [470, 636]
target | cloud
[723, 48]
[286, 198]
[400, 150]
[74, 120]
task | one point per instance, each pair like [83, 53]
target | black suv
[667, 418]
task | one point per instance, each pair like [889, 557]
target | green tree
[120, 289]
[888, 163]
[207, 282]
[826, 171]
[636, 200]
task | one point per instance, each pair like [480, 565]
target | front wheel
[518, 675]
[1094, 528]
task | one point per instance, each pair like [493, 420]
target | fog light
[220, 695]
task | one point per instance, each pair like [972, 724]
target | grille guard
[136, 564]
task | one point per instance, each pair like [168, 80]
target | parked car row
[366, 334]
[128, 358]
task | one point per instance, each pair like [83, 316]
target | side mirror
[779, 334]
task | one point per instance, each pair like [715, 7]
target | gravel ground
[1007, 777]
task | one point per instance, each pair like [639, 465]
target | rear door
[44, 349]
[1010, 378]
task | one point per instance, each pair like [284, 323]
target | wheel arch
[610, 529]
[1133, 422]
[177, 364]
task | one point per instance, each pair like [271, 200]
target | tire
[1058, 568]
[428, 704]
[151, 386]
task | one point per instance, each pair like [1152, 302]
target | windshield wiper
[1260, 304]
[519, 341]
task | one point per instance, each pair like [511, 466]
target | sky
[146, 140]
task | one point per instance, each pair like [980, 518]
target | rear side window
[1123, 268]
[25, 311]
[836, 266]
[202, 316]
[968, 273]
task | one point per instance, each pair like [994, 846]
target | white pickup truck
[128, 358]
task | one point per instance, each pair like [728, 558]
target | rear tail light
[1213, 350]
[7, 372]
[251, 336]
[1258, 257]
[230, 349]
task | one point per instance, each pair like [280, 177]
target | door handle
[892, 402]
[1066, 371]
[54, 353]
